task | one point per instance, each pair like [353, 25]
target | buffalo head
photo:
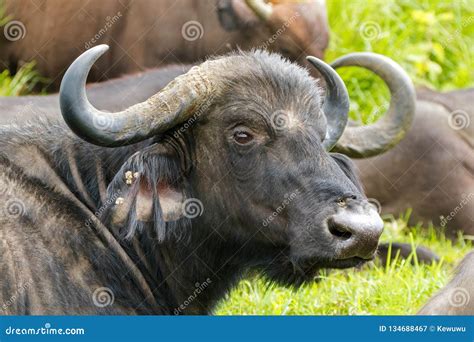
[240, 145]
[295, 29]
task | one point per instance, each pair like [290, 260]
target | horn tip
[314, 60]
[100, 48]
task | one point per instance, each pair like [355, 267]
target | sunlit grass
[432, 40]
[23, 82]
[398, 288]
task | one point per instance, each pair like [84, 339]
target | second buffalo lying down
[223, 171]
[457, 298]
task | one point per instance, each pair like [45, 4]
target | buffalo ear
[149, 190]
[170, 199]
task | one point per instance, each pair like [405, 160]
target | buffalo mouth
[347, 263]
[311, 264]
[295, 273]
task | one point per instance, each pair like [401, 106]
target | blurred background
[433, 40]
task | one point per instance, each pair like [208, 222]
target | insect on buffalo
[226, 170]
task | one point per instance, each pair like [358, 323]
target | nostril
[339, 231]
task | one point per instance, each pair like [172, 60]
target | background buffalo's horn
[260, 8]
[172, 105]
[370, 140]
[336, 102]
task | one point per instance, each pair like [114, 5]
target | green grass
[24, 81]
[434, 42]
[399, 288]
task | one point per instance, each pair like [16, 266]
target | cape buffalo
[149, 33]
[457, 298]
[223, 171]
[432, 169]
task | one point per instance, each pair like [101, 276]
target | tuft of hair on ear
[144, 172]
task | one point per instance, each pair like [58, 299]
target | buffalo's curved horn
[172, 105]
[336, 102]
[370, 140]
[262, 9]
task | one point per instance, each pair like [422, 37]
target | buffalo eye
[242, 137]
